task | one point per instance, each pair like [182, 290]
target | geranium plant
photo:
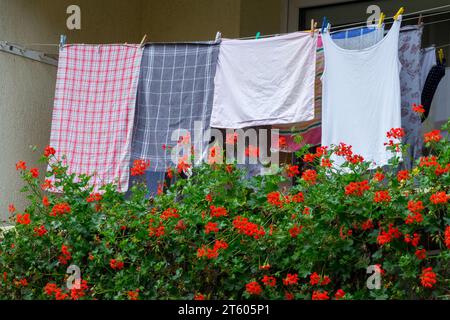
[220, 235]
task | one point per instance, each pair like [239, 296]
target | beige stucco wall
[190, 20]
[260, 16]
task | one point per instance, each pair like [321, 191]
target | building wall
[190, 20]
[263, 16]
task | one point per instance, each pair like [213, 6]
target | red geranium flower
[292, 171]
[447, 236]
[269, 281]
[211, 227]
[403, 175]
[23, 219]
[439, 198]
[339, 294]
[310, 176]
[253, 288]
[418, 108]
[433, 136]
[290, 279]
[428, 278]
[49, 151]
[274, 198]
[34, 172]
[421, 254]
[21, 165]
[382, 196]
[320, 295]
[295, 231]
[139, 167]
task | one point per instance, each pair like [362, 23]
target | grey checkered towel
[176, 89]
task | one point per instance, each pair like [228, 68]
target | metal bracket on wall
[27, 53]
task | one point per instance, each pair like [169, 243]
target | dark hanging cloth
[430, 87]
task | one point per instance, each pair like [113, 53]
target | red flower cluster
[379, 177]
[310, 176]
[23, 218]
[40, 232]
[21, 165]
[418, 108]
[344, 150]
[290, 279]
[60, 209]
[367, 225]
[433, 136]
[211, 227]
[382, 196]
[11, 208]
[199, 296]
[309, 157]
[355, 159]
[439, 198]
[45, 201]
[139, 167]
[357, 188]
[326, 163]
[421, 254]
[116, 264]
[34, 172]
[414, 240]
[49, 151]
[320, 295]
[169, 213]
[248, 228]
[94, 197]
[269, 281]
[428, 278]
[339, 294]
[447, 236]
[77, 293]
[133, 295]
[183, 165]
[292, 171]
[157, 232]
[296, 198]
[295, 231]
[253, 288]
[218, 212]
[274, 198]
[416, 208]
[65, 255]
[52, 289]
[386, 237]
[428, 161]
[212, 253]
[231, 138]
[403, 175]
[315, 279]
[396, 133]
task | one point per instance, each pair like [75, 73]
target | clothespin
[399, 13]
[312, 27]
[420, 20]
[258, 34]
[62, 41]
[381, 20]
[143, 40]
[324, 24]
[441, 55]
[218, 36]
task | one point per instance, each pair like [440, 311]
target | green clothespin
[258, 34]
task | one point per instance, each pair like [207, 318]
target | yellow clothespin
[312, 28]
[143, 40]
[441, 55]
[381, 20]
[400, 12]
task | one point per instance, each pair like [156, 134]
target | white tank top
[361, 96]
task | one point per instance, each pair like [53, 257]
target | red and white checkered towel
[94, 109]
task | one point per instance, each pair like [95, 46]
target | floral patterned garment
[409, 56]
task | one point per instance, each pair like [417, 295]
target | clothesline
[391, 18]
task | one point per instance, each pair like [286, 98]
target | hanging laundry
[311, 131]
[410, 42]
[431, 84]
[427, 61]
[94, 110]
[175, 96]
[359, 38]
[265, 81]
[361, 96]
